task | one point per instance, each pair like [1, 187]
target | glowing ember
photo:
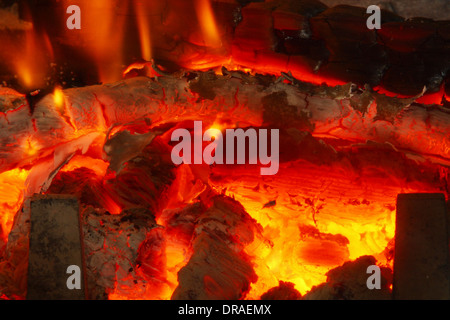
[313, 216]
[58, 98]
[12, 185]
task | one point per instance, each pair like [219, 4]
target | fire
[208, 24]
[33, 59]
[305, 262]
[102, 30]
[313, 219]
[58, 98]
[31, 147]
[97, 165]
[142, 15]
[12, 184]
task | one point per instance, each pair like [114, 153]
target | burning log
[340, 112]
[124, 254]
[218, 267]
[345, 152]
[141, 113]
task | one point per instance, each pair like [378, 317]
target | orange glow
[31, 147]
[433, 98]
[305, 262]
[32, 60]
[314, 219]
[58, 98]
[427, 98]
[140, 289]
[97, 165]
[100, 168]
[142, 15]
[12, 184]
[208, 24]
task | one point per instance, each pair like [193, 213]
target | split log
[124, 254]
[338, 112]
[218, 267]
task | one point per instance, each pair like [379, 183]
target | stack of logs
[123, 251]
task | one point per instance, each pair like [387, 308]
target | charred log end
[55, 245]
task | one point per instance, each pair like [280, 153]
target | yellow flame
[208, 24]
[30, 55]
[58, 98]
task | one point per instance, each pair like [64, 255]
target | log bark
[333, 112]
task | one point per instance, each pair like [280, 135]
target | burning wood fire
[167, 216]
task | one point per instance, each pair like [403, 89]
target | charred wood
[218, 267]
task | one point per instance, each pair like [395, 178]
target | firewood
[118, 258]
[336, 112]
[218, 267]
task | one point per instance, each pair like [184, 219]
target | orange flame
[32, 60]
[58, 98]
[208, 24]
[142, 11]
[102, 30]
